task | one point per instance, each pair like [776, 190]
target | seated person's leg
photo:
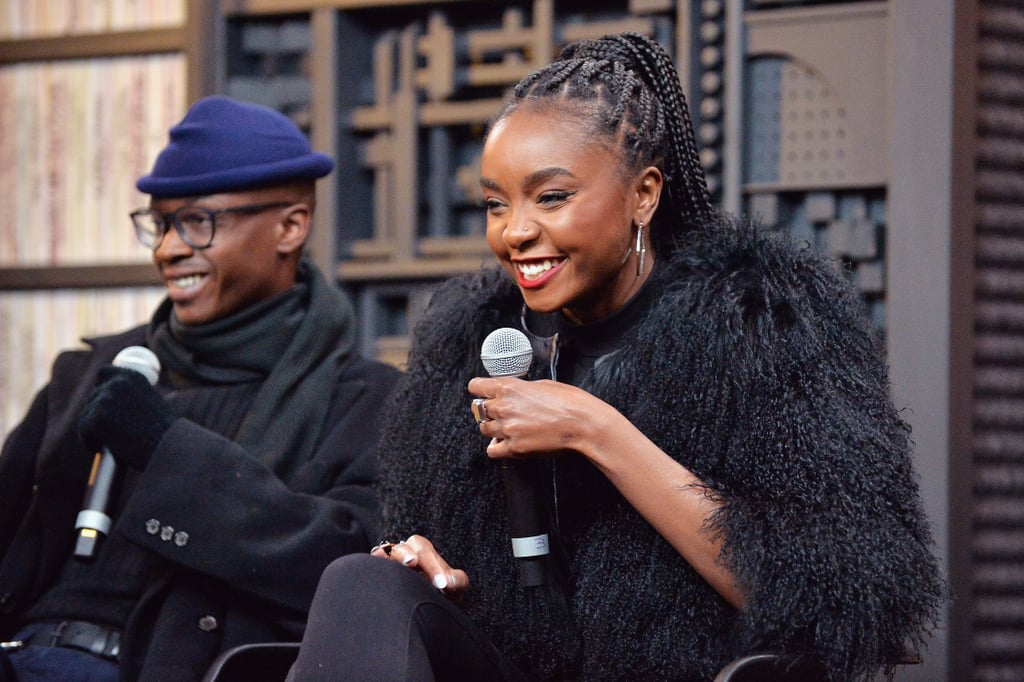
[35, 663]
[377, 620]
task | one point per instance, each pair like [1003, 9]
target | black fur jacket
[755, 369]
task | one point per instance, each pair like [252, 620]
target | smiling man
[241, 474]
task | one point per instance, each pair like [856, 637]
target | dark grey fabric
[399, 628]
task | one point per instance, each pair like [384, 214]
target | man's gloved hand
[125, 414]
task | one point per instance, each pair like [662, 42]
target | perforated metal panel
[796, 126]
[814, 138]
[763, 120]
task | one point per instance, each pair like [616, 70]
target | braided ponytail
[629, 92]
[690, 186]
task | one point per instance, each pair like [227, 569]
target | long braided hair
[627, 90]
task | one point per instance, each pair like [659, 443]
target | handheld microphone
[506, 352]
[93, 522]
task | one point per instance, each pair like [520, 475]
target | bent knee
[353, 572]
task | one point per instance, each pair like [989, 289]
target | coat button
[207, 623]
[181, 538]
[166, 533]
[152, 526]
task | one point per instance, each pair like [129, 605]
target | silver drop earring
[641, 249]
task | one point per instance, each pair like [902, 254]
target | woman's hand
[418, 553]
[533, 418]
[547, 419]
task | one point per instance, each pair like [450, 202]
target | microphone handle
[527, 520]
[92, 522]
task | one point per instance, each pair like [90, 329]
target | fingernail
[440, 582]
[408, 559]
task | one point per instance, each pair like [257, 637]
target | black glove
[126, 414]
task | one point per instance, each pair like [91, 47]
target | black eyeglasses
[194, 225]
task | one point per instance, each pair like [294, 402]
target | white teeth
[536, 269]
[186, 281]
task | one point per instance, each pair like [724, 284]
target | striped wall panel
[997, 543]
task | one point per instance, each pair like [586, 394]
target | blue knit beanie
[223, 145]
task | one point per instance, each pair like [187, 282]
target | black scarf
[293, 342]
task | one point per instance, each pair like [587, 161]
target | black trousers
[376, 620]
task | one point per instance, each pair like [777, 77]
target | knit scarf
[293, 342]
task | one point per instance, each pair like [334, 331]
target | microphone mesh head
[506, 352]
[141, 360]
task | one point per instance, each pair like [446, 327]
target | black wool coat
[755, 369]
[256, 544]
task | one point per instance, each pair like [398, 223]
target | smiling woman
[720, 464]
[564, 231]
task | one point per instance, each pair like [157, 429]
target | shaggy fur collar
[757, 371]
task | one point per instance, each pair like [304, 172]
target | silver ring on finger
[479, 408]
[384, 546]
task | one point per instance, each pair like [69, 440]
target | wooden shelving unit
[196, 39]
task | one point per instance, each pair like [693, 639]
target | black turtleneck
[582, 346]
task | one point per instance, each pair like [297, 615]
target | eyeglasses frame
[251, 209]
